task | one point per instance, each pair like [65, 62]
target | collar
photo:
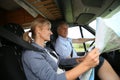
[38, 46]
[64, 39]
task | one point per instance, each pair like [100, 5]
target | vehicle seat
[11, 63]
[11, 66]
[12, 45]
[51, 43]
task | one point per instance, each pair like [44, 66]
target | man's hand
[82, 40]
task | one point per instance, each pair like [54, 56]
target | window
[74, 33]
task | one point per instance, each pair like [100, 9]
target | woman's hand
[92, 58]
[87, 62]
[79, 60]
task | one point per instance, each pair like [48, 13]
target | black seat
[10, 59]
[51, 43]
[11, 64]
[11, 50]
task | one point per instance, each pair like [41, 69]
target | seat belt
[52, 52]
[71, 53]
[17, 40]
[72, 50]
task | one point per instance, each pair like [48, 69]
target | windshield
[114, 15]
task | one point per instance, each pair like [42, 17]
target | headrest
[14, 28]
[15, 39]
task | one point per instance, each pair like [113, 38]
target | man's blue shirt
[63, 47]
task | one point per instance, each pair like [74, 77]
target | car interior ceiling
[79, 12]
[74, 12]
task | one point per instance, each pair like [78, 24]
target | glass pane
[74, 33]
[93, 24]
[87, 34]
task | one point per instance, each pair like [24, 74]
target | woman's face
[45, 32]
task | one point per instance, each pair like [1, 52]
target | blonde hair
[39, 22]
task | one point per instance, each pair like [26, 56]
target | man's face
[63, 30]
